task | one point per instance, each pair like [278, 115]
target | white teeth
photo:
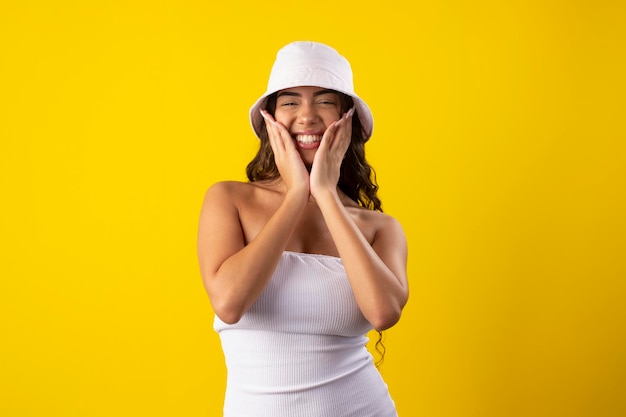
[308, 139]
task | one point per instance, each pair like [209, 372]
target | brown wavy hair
[357, 178]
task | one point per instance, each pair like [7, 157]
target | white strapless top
[300, 349]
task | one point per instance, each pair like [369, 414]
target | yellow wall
[499, 144]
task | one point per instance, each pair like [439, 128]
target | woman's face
[306, 112]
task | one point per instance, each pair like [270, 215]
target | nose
[307, 113]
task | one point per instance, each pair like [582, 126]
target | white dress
[300, 349]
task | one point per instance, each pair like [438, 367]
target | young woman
[300, 262]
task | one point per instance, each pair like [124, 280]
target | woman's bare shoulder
[228, 187]
[237, 191]
[374, 224]
[374, 217]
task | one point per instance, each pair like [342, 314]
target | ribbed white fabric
[300, 349]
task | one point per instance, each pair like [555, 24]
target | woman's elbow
[387, 314]
[229, 319]
[227, 314]
[383, 320]
[227, 309]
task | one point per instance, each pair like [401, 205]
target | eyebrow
[315, 94]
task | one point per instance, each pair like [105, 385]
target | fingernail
[263, 114]
[351, 112]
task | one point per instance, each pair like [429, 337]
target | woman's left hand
[330, 154]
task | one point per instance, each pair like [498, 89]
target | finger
[285, 136]
[337, 130]
[344, 133]
[280, 133]
[272, 131]
[330, 132]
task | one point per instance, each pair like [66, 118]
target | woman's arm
[235, 274]
[377, 272]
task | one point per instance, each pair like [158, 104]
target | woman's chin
[307, 157]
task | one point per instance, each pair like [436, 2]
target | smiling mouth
[308, 139]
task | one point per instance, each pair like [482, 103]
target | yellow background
[499, 143]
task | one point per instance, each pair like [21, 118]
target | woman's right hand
[288, 161]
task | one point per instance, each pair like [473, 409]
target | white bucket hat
[314, 64]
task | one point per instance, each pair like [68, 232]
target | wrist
[297, 194]
[327, 196]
